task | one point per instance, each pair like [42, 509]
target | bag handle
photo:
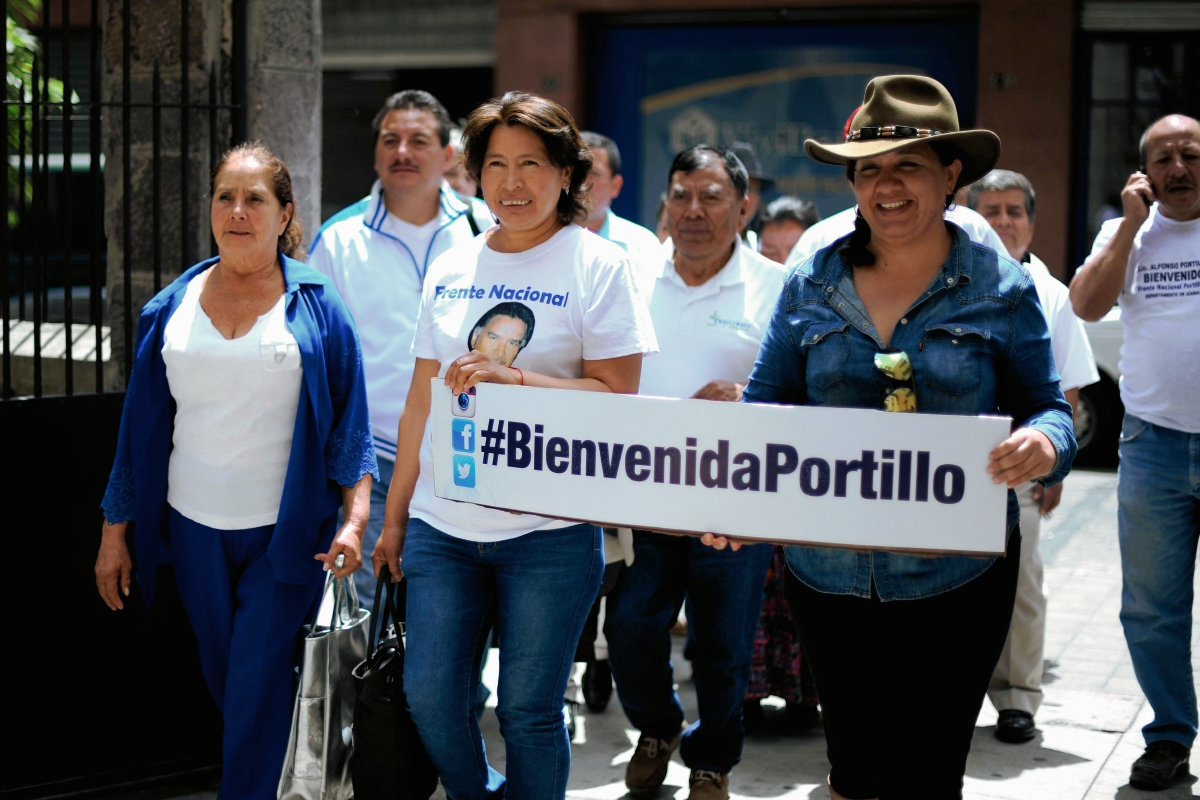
[381, 608]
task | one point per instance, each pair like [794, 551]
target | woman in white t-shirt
[535, 301]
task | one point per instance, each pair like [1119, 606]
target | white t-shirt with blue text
[545, 310]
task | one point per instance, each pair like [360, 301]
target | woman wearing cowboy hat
[907, 314]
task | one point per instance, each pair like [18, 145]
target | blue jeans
[538, 590]
[248, 626]
[364, 579]
[1158, 495]
[725, 593]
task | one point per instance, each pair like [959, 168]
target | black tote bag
[389, 762]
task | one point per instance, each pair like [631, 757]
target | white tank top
[235, 410]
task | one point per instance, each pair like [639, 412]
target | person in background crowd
[834, 227]
[781, 225]
[642, 246]
[710, 300]
[1007, 201]
[778, 666]
[457, 175]
[760, 182]
[1148, 260]
[902, 647]
[604, 187]
[468, 565]
[245, 429]
[377, 252]
[660, 219]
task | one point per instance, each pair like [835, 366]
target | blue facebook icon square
[464, 471]
[462, 435]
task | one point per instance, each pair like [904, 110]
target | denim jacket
[978, 343]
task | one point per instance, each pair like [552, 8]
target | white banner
[795, 474]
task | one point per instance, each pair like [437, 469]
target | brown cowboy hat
[904, 110]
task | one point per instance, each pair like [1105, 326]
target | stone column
[283, 55]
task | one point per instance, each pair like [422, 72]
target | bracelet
[522, 374]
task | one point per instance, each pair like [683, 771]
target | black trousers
[901, 683]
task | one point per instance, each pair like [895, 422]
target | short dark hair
[553, 124]
[1003, 180]
[419, 100]
[598, 141]
[697, 156]
[505, 309]
[789, 208]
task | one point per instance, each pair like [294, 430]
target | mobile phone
[463, 403]
[1147, 200]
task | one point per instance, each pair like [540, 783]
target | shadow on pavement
[993, 760]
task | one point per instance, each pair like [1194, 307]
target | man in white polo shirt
[376, 252]
[605, 182]
[1007, 201]
[1148, 260]
[711, 300]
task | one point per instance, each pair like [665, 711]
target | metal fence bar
[127, 186]
[67, 133]
[156, 212]
[4, 289]
[185, 144]
[39, 216]
[21, 137]
[94, 144]
[212, 140]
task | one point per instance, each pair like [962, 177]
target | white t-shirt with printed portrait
[548, 309]
[1160, 311]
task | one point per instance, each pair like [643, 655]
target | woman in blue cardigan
[244, 431]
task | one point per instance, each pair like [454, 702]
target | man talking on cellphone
[1148, 261]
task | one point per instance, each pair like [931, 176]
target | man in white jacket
[1007, 201]
[376, 252]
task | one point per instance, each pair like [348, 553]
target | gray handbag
[318, 756]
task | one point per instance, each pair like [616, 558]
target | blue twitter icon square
[464, 471]
[462, 435]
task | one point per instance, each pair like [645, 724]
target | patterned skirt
[779, 667]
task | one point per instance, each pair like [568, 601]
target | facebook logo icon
[464, 471]
[462, 435]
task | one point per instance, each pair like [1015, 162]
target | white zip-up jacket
[378, 264]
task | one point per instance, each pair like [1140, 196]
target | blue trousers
[725, 593]
[1158, 501]
[538, 589]
[248, 626]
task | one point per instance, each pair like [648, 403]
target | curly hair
[556, 128]
[290, 241]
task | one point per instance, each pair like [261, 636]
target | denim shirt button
[954, 341]
[829, 288]
[949, 281]
[904, 320]
[958, 330]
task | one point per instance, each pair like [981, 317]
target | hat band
[891, 132]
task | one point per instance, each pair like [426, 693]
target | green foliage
[20, 48]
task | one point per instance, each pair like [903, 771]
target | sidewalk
[1091, 718]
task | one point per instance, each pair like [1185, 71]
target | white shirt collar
[729, 275]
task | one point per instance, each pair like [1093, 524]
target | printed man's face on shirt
[501, 339]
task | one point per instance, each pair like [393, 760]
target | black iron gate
[94, 699]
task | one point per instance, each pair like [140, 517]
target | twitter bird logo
[464, 471]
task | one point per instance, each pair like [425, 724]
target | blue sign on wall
[659, 90]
